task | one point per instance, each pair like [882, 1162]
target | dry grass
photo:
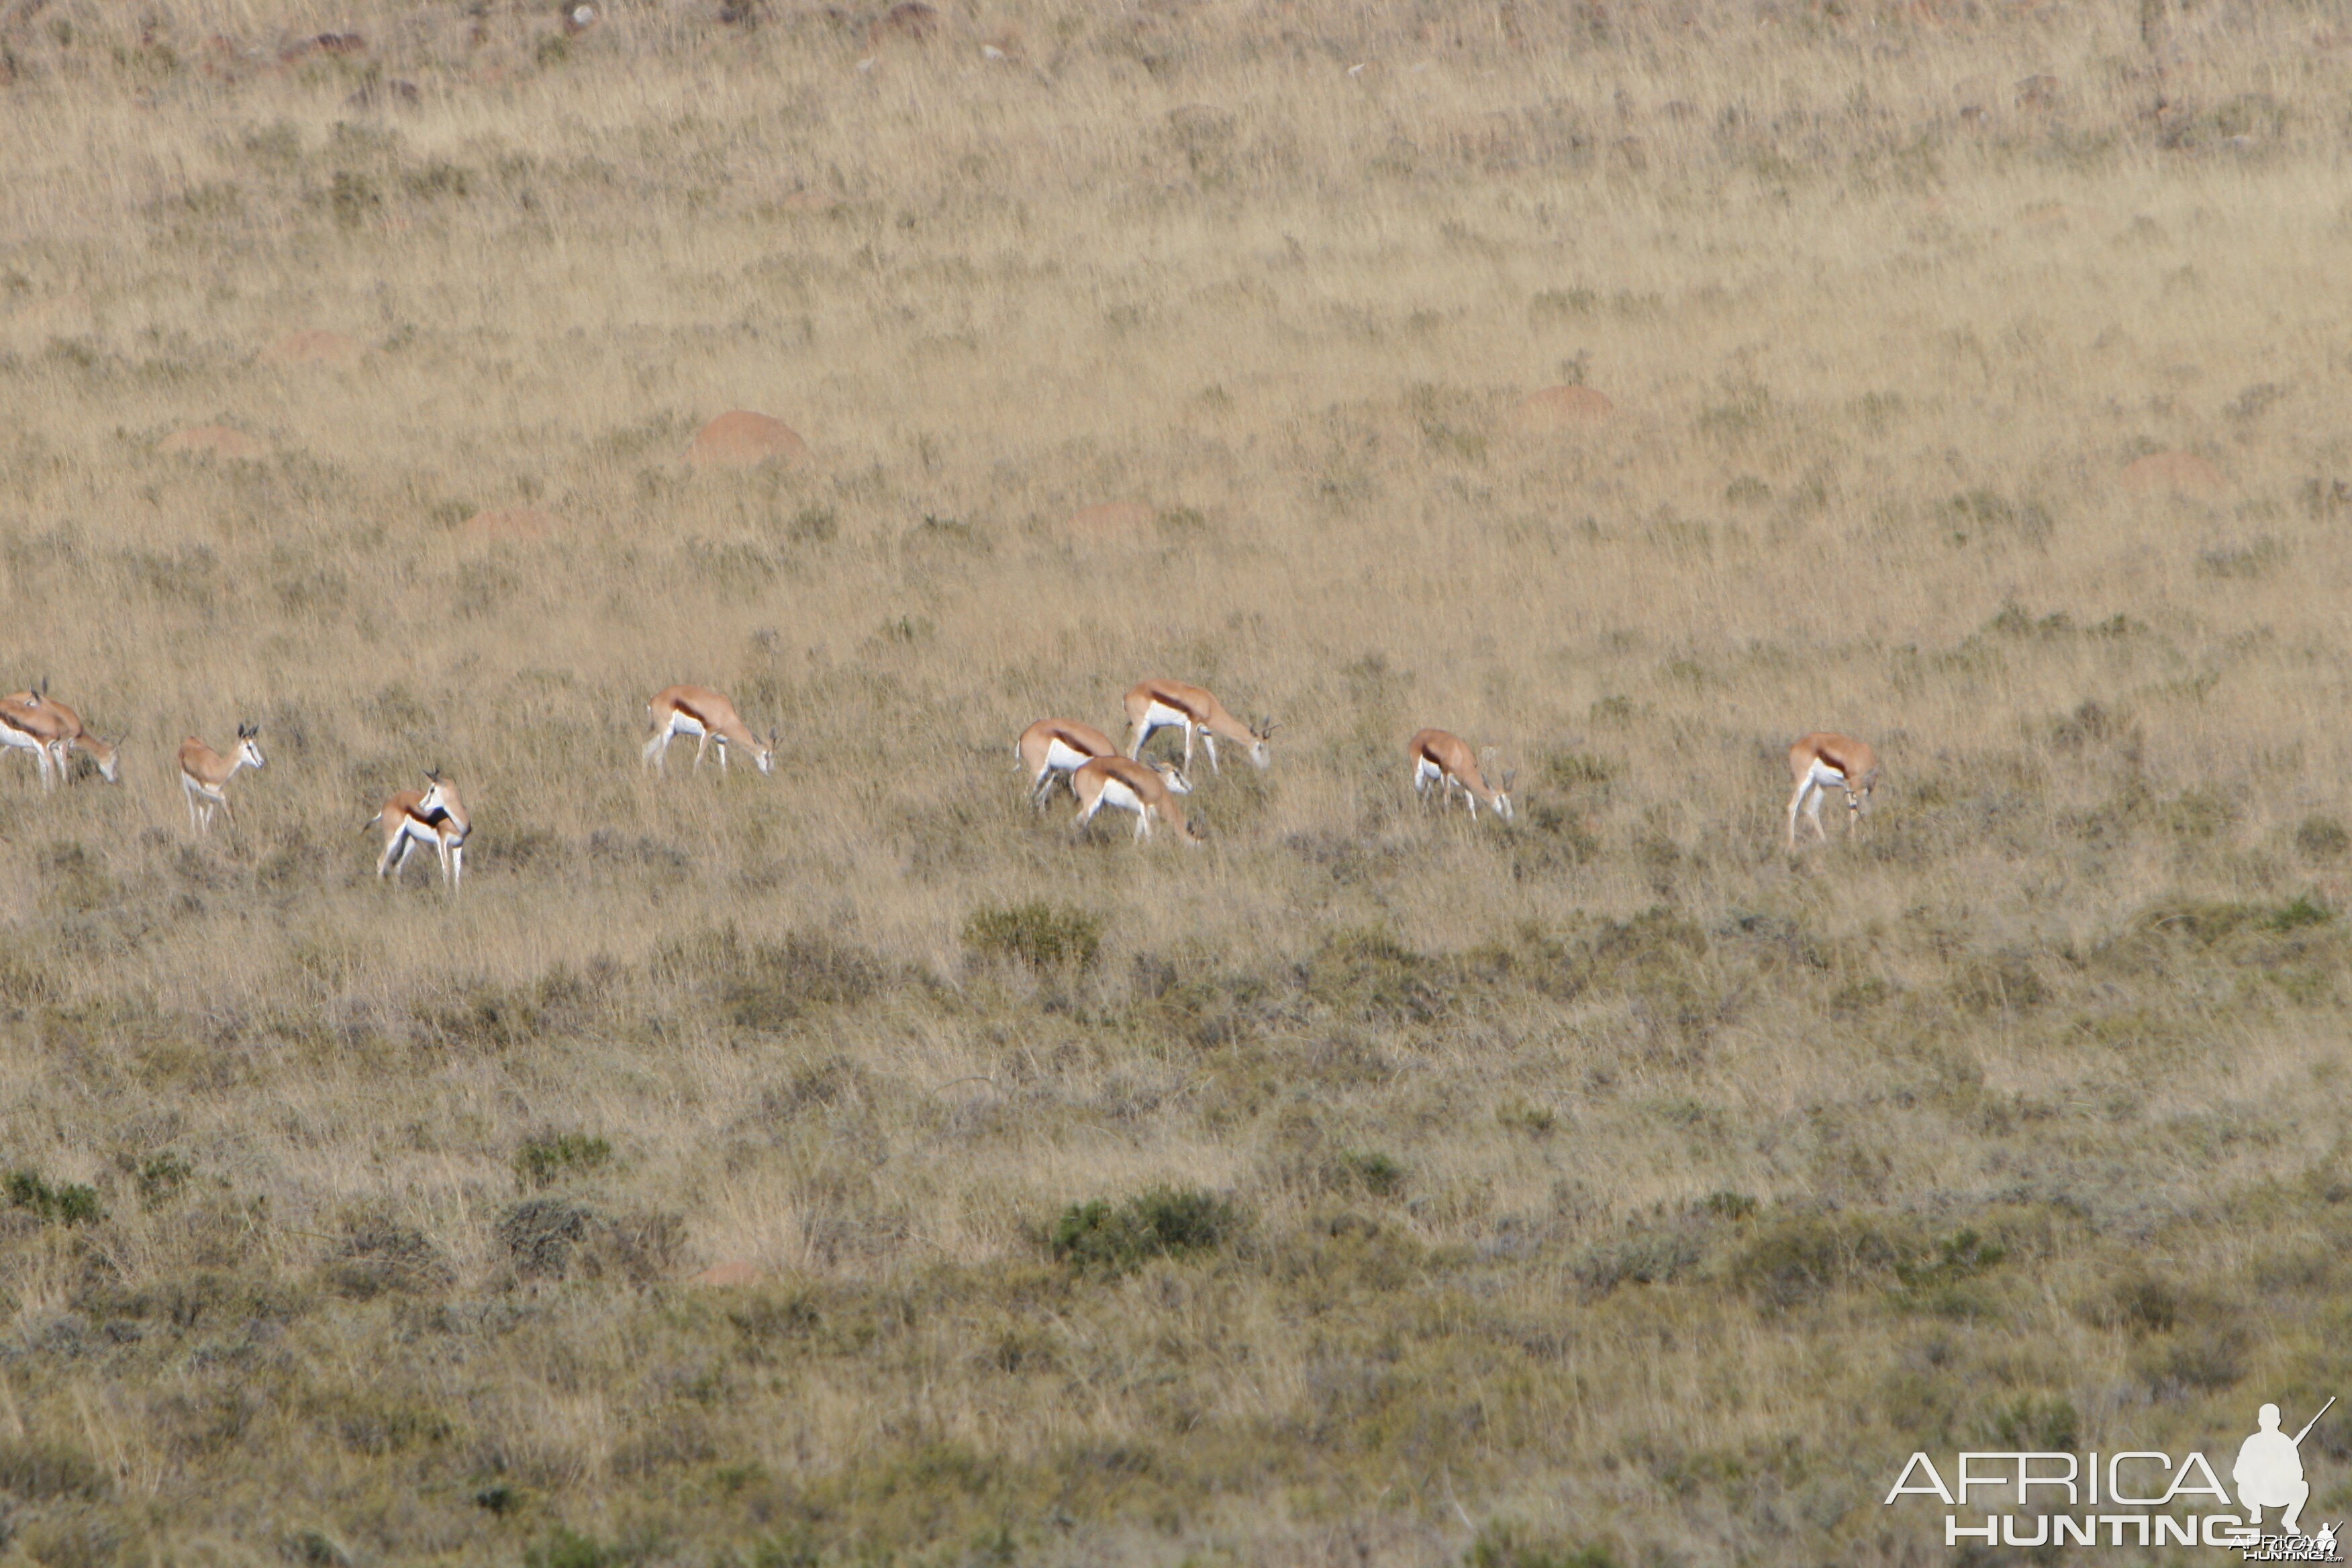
[1597, 1190]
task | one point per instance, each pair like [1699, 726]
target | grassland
[1362, 1186]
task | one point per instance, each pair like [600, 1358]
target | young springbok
[1051, 750]
[1821, 762]
[204, 774]
[705, 715]
[1444, 760]
[1147, 789]
[430, 815]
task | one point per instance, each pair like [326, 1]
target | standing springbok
[1821, 761]
[1171, 704]
[430, 815]
[204, 774]
[1147, 789]
[703, 713]
[1051, 750]
[1444, 760]
[57, 730]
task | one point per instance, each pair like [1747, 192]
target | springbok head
[249, 744]
[1498, 780]
[1260, 733]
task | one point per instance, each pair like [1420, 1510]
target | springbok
[703, 713]
[1444, 760]
[57, 729]
[1147, 789]
[1171, 704]
[1051, 750]
[432, 816]
[204, 774]
[20, 729]
[1821, 761]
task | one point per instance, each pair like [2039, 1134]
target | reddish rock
[312, 346]
[910, 19]
[527, 522]
[1556, 407]
[742, 439]
[217, 439]
[323, 44]
[1112, 517]
[730, 1275]
[2183, 473]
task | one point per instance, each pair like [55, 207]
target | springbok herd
[1051, 751]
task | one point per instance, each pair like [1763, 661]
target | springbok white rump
[1171, 704]
[1051, 750]
[35, 721]
[705, 715]
[204, 774]
[432, 816]
[21, 730]
[1444, 760]
[1821, 762]
[1147, 789]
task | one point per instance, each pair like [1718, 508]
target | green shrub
[1374, 1171]
[160, 1178]
[542, 1162]
[1166, 1222]
[1804, 1256]
[66, 1204]
[1503, 1544]
[2040, 1423]
[43, 1473]
[569, 1549]
[1039, 934]
[2321, 838]
[767, 986]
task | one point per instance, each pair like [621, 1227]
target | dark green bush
[2321, 838]
[43, 1473]
[542, 1162]
[1165, 1222]
[1804, 1256]
[1375, 1172]
[1504, 1544]
[2040, 1423]
[66, 1205]
[1039, 934]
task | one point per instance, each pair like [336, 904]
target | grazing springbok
[1051, 750]
[1147, 789]
[703, 713]
[1821, 762]
[21, 730]
[432, 816]
[204, 774]
[55, 731]
[1171, 704]
[1444, 760]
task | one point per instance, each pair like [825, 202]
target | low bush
[1166, 1222]
[1039, 934]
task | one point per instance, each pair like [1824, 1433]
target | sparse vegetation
[850, 1166]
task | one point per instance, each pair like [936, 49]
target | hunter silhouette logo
[2269, 1471]
[2132, 1498]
